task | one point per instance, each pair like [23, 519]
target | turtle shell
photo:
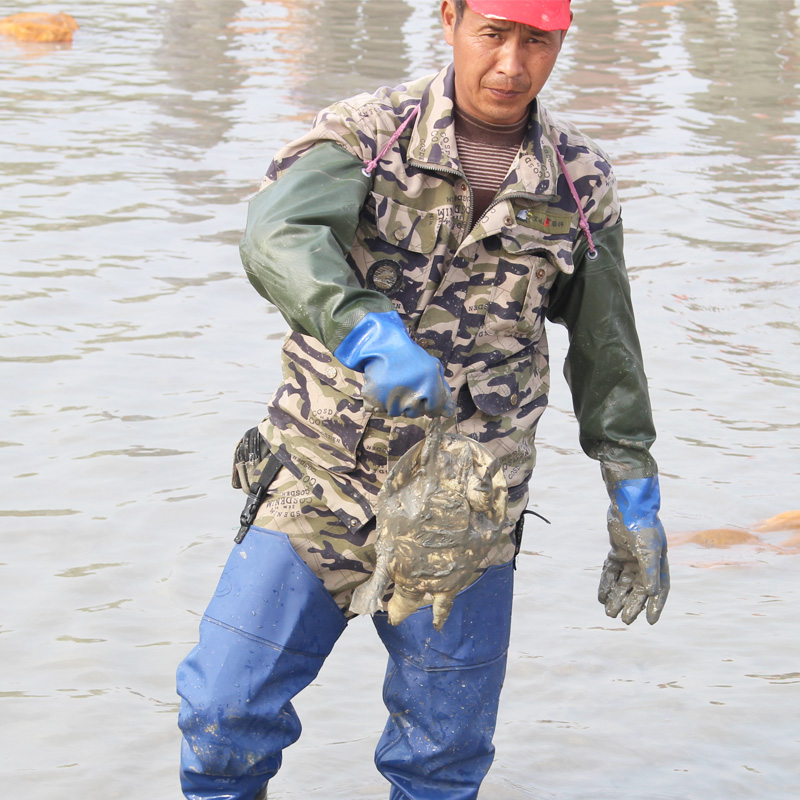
[439, 513]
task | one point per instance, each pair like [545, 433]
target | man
[415, 240]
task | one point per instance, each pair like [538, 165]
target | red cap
[546, 15]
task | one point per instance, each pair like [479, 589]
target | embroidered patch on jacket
[545, 221]
[384, 276]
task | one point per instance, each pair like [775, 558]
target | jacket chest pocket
[394, 250]
[518, 296]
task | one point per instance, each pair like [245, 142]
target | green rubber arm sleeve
[604, 367]
[299, 230]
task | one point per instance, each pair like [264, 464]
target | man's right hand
[401, 379]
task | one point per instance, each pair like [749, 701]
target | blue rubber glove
[401, 378]
[636, 572]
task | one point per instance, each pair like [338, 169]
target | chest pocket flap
[543, 232]
[405, 227]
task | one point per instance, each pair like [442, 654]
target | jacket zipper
[451, 171]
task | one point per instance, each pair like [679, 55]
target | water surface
[134, 353]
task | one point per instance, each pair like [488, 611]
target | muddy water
[134, 353]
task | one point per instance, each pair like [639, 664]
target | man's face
[499, 66]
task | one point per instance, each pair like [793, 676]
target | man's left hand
[636, 571]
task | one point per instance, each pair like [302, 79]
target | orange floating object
[39, 27]
[792, 543]
[787, 521]
[716, 537]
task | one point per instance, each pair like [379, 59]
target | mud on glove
[636, 571]
[401, 379]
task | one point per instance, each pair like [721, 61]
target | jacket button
[400, 234]
[540, 273]
[331, 372]
[513, 399]
[425, 344]
[462, 187]
[508, 221]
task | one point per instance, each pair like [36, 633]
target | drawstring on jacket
[370, 165]
[584, 222]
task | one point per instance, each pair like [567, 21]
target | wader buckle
[258, 490]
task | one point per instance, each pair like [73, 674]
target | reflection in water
[744, 55]
[749, 55]
[605, 66]
[198, 56]
[337, 49]
[736, 62]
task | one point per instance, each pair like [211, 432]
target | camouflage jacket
[328, 244]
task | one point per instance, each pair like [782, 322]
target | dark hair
[459, 4]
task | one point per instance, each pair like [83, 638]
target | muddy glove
[636, 572]
[400, 377]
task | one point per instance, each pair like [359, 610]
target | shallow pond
[134, 353]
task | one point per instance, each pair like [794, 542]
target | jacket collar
[534, 171]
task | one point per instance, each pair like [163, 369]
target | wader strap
[257, 491]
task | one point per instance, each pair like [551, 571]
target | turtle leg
[367, 597]
[403, 603]
[442, 691]
[442, 603]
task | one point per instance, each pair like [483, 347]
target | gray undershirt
[486, 152]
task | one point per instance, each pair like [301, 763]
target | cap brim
[546, 15]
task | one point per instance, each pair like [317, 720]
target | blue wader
[264, 638]
[442, 690]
